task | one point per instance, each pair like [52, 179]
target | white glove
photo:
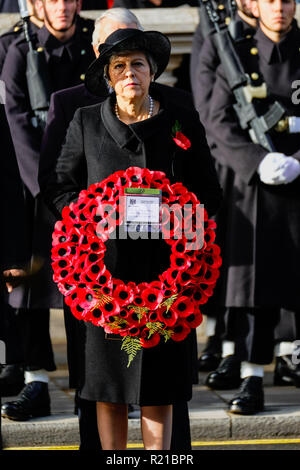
[290, 171]
[277, 168]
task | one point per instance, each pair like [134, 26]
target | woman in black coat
[133, 127]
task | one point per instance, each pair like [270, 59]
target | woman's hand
[13, 278]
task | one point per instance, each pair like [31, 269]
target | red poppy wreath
[146, 313]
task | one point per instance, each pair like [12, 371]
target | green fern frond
[154, 327]
[131, 345]
[169, 301]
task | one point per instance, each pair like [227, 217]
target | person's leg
[181, 431]
[156, 422]
[112, 419]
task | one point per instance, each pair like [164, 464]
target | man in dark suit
[12, 239]
[65, 44]
[62, 108]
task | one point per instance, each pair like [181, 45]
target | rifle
[239, 82]
[36, 73]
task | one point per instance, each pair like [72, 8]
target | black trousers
[27, 338]
[255, 331]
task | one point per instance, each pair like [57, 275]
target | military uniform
[66, 66]
[9, 6]
[263, 236]
[204, 62]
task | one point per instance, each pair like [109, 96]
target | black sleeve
[12, 236]
[234, 146]
[195, 167]
[26, 138]
[64, 183]
[53, 139]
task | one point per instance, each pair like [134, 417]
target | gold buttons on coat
[227, 20]
[16, 29]
[85, 29]
[40, 49]
[254, 51]
[254, 76]
[82, 76]
[221, 7]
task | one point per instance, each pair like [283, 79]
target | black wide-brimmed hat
[156, 44]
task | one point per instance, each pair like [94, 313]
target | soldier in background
[65, 42]
[262, 206]
[204, 63]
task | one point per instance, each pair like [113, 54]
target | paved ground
[209, 419]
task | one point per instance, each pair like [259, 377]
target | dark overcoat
[12, 235]
[261, 259]
[66, 66]
[98, 144]
[9, 6]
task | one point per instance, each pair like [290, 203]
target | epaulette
[86, 25]
[15, 30]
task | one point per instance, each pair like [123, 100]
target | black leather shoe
[226, 376]
[33, 402]
[250, 399]
[286, 372]
[11, 380]
[208, 362]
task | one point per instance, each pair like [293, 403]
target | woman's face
[130, 75]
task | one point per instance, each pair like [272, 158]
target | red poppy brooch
[179, 138]
[142, 314]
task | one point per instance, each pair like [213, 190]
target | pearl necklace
[150, 113]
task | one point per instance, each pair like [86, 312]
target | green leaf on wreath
[154, 327]
[131, 345]
[169, 301]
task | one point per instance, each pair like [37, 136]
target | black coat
[12, 237]
[9, 6]
[264, 225]
[95, 132]
[148, 4]
[66, 65]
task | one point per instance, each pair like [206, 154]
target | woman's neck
[130, 111]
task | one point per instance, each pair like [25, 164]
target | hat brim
[153, 42]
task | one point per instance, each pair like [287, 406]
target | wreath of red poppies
[142, 314]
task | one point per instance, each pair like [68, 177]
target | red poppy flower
[136, 318]
[149, 342]
[180, 262]
[135, 176]
[193, 320]
[62, 250]
[182, 141]
[171, 276]
[109, 307]
[185, 279]
[183, 306]
[167, 316]
[172, 228]
[123, 294]
[152, 297]
[180, 330]
[199, 296]
[179, 189]
[158, 179]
